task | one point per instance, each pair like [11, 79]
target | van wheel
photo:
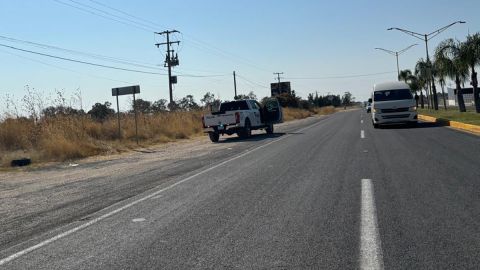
[269, 129]
[214, 136]
[375, 125]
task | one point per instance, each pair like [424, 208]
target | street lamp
[396, 54]
[426, 38]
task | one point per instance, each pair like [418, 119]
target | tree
[142, 106]
[441, 75]
[250, 95]
[470, 53]
[404, 75]
[53, 111]
[209, 100]
[448, 54]
[347, 99]
[159, 106]
[188, 103]
[422, 74]
[100, 112]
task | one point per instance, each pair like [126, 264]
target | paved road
[336, 194]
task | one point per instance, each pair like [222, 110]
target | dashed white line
[361, 121]
[370, 245]
[126, 206]
[138, 220]
[362, 134]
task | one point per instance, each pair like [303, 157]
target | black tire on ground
[269, 129]
[246, 131]
[375, 125]
[214, 136]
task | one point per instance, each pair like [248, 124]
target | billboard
[279, 88]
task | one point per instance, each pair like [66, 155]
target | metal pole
[118, 116]
[135, 112]
[398, 68]
[235, 84]
[428, 71]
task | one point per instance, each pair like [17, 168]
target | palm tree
[404, 75]
[433, 74]
[440, 75]
[448, 56]
[422, 74]
[470, 52]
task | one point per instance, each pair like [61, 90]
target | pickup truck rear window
[387, 95]
[234, 106]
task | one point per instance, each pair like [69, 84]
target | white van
[392, 103]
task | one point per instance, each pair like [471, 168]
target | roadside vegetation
[468, 117]
[60, 132]
[453, 59]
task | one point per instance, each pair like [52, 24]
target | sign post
[120, 91]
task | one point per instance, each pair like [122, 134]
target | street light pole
[426, 38]
[396, 54]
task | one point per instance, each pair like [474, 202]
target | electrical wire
[81, 62]
[91, 55]
[341, 76]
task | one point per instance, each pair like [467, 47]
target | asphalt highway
[333, 193]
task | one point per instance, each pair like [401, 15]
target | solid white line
[370, 244]
[362, 134]
[96, 220]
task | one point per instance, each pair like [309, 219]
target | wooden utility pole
[170, 60]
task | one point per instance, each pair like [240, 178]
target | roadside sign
[128, 90]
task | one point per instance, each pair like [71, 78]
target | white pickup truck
[241, 117]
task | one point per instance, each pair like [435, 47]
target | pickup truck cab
[392, 103]
[241, 117]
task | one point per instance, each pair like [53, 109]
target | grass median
[469, 117]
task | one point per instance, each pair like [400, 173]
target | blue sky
[303, 39]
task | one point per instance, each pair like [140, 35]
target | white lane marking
[370, 244]
[138, 220]
[104, 216]
[362, 134]
[361, 121]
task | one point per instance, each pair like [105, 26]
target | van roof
[390, 86]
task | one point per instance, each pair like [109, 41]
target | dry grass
[65, 138]
[290, 114]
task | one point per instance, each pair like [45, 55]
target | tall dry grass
[63, 138]
[296, 113]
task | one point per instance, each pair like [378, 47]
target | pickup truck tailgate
[224, 119]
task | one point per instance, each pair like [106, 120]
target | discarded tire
[20, 162]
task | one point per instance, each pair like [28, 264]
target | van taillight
[237, 117]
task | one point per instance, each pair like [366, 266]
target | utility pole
[235, 84]
[170, 60]
[278, 77]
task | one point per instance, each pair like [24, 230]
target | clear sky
[326, 41]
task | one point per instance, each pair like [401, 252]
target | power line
[195, 41]
[341, 76]
[91, 55]
[252, 82]
[81, 62]
[103, 16]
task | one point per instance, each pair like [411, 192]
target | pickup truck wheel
[269, 129]
[214, 136]
[246, 131]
